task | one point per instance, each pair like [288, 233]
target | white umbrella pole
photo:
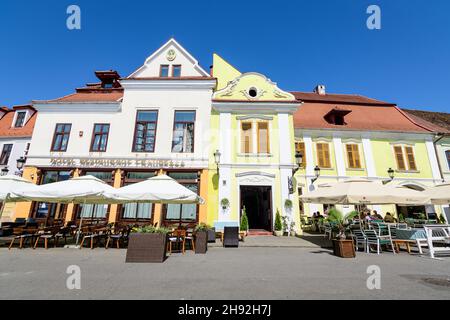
[81, 222]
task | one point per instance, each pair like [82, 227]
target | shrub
[288, 204]
[149, 229]
[225, 203]
[278, 225]
[202, 227]
[244, 220]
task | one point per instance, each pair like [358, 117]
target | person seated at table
[389, 218]
[376, 215]
[367, 216]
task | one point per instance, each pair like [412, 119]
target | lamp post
[20, 163]
[217, 155]
[390, 173]
[316, 174]
[4, 171]
[298, 162]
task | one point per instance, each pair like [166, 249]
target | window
[263, 137]
[177, 213]
[183, 132]
[164, 71]
[353, 158]
[300, 148]
[100, 137]
[6, 152]
[96, 211]
[20, 119]
[447, 154]
[246, 137]
[137, 211]
[404, 157]
[61, 137]
[51, 210]
[145, 133]
[410, 158]
[176, 70]
[323, 155]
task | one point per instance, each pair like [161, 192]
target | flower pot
[278, 233]
[201, 242]
[344, 248]
[146, 247]
[293, 233]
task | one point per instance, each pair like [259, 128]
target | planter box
[201, 242]
[146, 247]
[344, 248]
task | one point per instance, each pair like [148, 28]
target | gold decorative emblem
[171, 55]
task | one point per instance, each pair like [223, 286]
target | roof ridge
[411, 120]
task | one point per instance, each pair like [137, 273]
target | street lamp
[20, 163]
[316, 173]
[298, 162]
[217, 155]
[4, 171]
[391, 173]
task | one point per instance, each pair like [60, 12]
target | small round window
[252, 92]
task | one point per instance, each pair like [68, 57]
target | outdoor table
[407, 237]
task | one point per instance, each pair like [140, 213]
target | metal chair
[360, 238]
[373, 238]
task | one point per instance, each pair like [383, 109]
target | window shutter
[263, 137]
[300, 148]
[323, 155]
[246, 137]
[353, 156]
[399, 158]
[410, 157]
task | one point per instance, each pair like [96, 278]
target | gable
[171, 54]
[253, 87]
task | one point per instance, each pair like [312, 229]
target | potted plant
[244, 221]
[292, 229]
[341, 246]
[288, 204]
[147, 244]
[201, 238]
[278, 227]
[225, 203]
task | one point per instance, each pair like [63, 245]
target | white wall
[122, 126]
[18, 150]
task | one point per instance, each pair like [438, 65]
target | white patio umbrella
[10, 183]
[362, 191]
[439, 194]
[82, 190]
[158, 189]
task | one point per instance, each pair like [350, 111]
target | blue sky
[298, 44]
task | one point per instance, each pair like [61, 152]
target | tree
[244, 220]
[278, 224]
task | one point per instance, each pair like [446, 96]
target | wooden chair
[46, 236]
[121, 235]
[93, 233]
[231, 237]
[179, 237]
[23, 235]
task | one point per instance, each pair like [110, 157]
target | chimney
[320, 89]
[211, 69]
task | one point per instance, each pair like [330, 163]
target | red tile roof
[437, 121]
[101, 95]
[337, 98]
[6, 129]
[170, 78]
[366, 114]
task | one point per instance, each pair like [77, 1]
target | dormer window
[109, 79]
[336, 116]
[164, 71]
[107, 85]
[176, 70]
[20, 119]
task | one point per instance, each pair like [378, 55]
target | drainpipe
[438, 138]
